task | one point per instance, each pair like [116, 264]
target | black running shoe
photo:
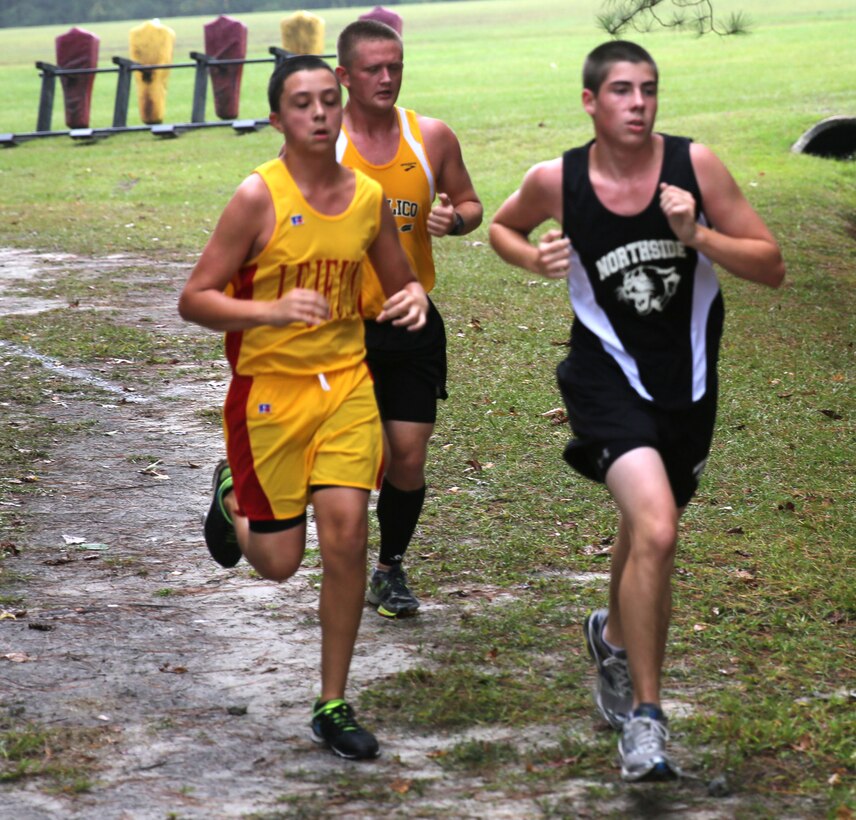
[334, 724]
[388, 591]
[219, 531]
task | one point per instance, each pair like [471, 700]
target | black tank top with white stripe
[643, 302]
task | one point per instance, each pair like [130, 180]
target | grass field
[762, 643]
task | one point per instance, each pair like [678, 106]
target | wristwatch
[458, 226]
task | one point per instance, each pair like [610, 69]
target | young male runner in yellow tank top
[415, 159]
[281, 275]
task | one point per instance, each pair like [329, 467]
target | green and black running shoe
[219, 531]
[333, 723]
[389, 592]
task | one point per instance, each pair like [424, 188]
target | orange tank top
[408, 184]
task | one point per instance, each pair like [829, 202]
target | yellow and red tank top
[408, 183]
[307, 249]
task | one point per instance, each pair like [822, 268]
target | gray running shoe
[642, 746]
[613, 691]
[389, 592]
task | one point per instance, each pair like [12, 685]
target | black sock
[397, 513]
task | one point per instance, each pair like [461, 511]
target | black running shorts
[409, 369]
[611, 419]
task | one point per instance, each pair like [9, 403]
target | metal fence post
[46, 99]
[200, 87]
[279, 54]
[123, 92]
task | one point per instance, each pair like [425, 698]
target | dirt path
[186, 687]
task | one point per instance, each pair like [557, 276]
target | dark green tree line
[73, 12]
[617, 16]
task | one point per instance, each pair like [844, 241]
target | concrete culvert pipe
[834, 137]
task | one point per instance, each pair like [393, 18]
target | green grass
[762, 639]
[62, 758]
[86, 336]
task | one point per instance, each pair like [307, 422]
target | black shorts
[611, 419]
[409, 369]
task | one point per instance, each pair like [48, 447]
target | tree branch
[644, 15]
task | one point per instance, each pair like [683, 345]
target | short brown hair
[601, 59]
[361, 31]
[290, 65]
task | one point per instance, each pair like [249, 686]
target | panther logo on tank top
[648, 288]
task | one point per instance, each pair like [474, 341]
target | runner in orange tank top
[418, 162]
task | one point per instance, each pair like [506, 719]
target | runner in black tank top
[637, 247]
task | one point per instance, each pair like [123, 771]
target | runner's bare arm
[737, 240]
[407, 303]
[455, 192]
[538, 200]
[241, 233]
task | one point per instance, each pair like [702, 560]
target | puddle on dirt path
[72, 373]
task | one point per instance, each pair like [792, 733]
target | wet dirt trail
[185, 688]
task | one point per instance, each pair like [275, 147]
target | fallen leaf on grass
[596, 549]
[557, 416]
[400, 786]
[842, 812]
[832, 414]
[803, 744]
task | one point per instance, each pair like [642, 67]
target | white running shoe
[642, 746]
